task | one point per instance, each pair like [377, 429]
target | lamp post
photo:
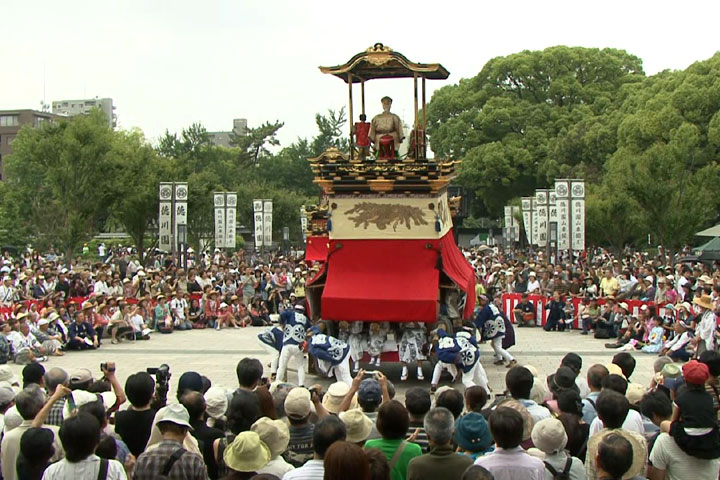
[182, 241]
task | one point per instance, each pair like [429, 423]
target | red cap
[695, 372]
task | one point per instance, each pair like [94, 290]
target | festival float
[382, 234]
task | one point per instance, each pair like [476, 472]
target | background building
[11, 121]
[222, 139]
[70, 108]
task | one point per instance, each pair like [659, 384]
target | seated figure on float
[386, 132]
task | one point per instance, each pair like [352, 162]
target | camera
[162, 384]
[107, 367]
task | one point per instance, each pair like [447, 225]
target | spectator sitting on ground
[519, 381]
[549, 436]
[612, 408]
[595, 376]
[36, 450]
[249, 373]
[135, 424]
[194, 403]
[80, 435]
[509, 460]
[476, 472]
[346, 461]
[392, 423]
[274, 434]
[633, 421]
[418, 403]
[475, 399]
[615, 457]
[327, 431]
[173, 422]
[441, 461]
[472, 435]
[29, 402]
[452, 399]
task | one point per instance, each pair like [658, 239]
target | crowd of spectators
[576, 424]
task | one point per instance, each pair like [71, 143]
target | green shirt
[388, 447]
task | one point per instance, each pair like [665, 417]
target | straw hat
[528, 422]
[704, 301]
[247, 453]
[273, 433]
[334, 397]
[357, 424]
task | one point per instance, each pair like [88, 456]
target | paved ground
[215, 355]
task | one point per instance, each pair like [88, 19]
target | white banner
[267, 223]
[219, 228]
[230, 219]
[562, 193]
[527, 218]
[552, 207]
[541, 209]
[303, 222]
[165, 226]
[577, 205]
[258, 220]
[219, 204]
[535, 223]
[516, 224]
[181, 197]
[578, 224]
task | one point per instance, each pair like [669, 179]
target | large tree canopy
[530, 117]
[648, 147]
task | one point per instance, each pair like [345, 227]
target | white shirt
[7, 295]
[178, 307]
[100, 288]
[514, 464]
[533, 287]
[277, 466]
[312, 470]
[137, 322]
[84, 469]
[678, 465]
[633, 423]
[706, 329]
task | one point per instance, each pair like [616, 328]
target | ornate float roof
[380, 61]
[335, 173]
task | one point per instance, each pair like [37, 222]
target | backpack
[564, 474]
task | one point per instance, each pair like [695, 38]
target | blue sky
[168, 64]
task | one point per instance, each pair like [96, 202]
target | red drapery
[316, 248]
[459, 270]
[381, 280]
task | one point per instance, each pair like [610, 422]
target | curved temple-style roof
[380, 61]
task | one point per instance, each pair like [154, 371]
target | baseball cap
[369, 391]
[7, 394]
[174, 413]
[81, 375]
[6, 375]
[695, 372]
[297, 403]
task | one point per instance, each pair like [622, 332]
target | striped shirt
[312, 470]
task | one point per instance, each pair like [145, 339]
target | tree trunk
[140, 245]
[68, 257]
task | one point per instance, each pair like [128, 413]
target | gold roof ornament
[380, 61]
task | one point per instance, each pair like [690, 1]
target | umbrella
[710, 232]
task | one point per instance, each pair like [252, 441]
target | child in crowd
[694, 425]
[655, 338]
[675, 348]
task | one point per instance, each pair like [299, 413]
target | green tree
[60, 180]
[507, 123]
[135, 202]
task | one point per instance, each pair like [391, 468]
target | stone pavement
[216, 353]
